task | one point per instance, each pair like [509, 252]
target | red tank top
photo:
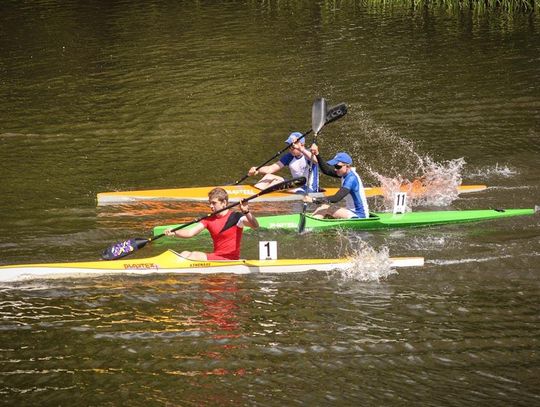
[226, 235]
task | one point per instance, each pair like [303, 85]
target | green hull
[382, 220]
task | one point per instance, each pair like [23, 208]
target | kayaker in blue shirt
[351, 189]
[298, 159]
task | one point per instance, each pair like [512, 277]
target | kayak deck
[171, 262]
[381, 220]
[390, 220]
[237, 192]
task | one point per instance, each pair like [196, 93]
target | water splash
[393, 155]
[426, 181]
[434, 183]
[368, 264]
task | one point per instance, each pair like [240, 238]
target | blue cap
[341, 158]
[296, 135]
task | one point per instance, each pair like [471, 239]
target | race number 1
[268, 250]
[400, 202]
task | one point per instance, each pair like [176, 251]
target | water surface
[98, 96]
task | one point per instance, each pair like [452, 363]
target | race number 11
[400, 202]
[268, 250]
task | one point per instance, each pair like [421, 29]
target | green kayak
[382, 220]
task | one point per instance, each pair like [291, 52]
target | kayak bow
[171, 262]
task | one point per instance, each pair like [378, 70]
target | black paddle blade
[122, 249]
[283, 185]
[336, 112]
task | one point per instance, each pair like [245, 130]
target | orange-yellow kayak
[237, 192]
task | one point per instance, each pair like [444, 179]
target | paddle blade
[336, 112]
[318, 115]
[283, 185]
[122, 249]
[302, 221]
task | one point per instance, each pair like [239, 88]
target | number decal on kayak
[268, 250]
[400, 202]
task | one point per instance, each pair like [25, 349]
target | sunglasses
[338, 167]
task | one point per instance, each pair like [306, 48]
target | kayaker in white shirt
[298, 159]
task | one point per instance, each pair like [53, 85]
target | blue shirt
[356, 200]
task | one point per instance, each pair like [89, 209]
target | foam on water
[493, 171]
[443, 262]
[427, 242]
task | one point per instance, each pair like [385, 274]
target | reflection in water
[221, 303]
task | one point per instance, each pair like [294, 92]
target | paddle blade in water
[302, 222]
[122, 249]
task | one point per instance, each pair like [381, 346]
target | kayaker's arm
[308, 154]
[267, 169]
[186, 233]
[323, 165]
[248, 219]
[325, 168]
[338, 196]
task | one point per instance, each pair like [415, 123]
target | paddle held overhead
[318, 116]
[333, 114]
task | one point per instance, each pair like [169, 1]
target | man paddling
[298, 159]
[351, 189]
[225, 228]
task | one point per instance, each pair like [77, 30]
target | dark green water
[98, 96]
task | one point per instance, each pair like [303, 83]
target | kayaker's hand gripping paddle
[333, 114]
[318, 115]
[122, 249]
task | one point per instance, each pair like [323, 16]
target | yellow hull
[236, 192]
[172, 263]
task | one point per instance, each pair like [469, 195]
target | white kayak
[170, 262]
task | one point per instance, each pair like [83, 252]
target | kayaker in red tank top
[226, 234]
[225, 228]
